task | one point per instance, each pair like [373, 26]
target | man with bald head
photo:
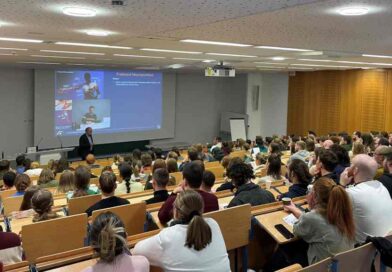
[372, 204]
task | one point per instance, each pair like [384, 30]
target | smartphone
[284, 231]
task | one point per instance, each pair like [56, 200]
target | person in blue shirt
[19, 164]
[22, 182]
[260, 144]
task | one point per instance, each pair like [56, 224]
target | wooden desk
[75, 267]
[155, 218]
[16, 224]
[224, 201]
[268, 222]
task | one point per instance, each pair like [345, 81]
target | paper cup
[286, 201]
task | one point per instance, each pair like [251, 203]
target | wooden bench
[238, 154]
[79, 205]
[217, 171]
[212, 164]
[17, 267]
[54, 236]
[132, 215]
[321, 266]
[12, 204]
[7, 193]
[291, 268]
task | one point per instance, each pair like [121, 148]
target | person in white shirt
[372, 204]
[217, 143]
[192, 243]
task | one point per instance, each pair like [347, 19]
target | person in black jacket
[107, 183]
[160, 179]
[86, 143]
[241, 176]
[300, 177]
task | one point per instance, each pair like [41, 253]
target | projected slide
[107, 101]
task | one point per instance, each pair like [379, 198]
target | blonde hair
[189, 205]
[45, 176]
[66, 182]
[108, 237]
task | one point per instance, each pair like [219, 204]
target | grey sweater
[324, 239]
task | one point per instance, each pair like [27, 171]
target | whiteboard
[237, 128]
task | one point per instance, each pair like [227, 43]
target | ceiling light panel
[93, 45]
[72, 52]
[170, 51]
[215, 43]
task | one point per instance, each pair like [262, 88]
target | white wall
[199, 103]
[17, 110]
[271, 116]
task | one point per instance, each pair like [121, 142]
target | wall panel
[334, 101]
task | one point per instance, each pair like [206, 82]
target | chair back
[234, 224]
[54, 236]
[132, 215]
[12, 204]
[79, 205]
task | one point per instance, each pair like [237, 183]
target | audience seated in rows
[372, 204]
[191, 243]
[107, 185]
[108, 240]
[192, 175]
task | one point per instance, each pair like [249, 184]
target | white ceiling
[308, 24]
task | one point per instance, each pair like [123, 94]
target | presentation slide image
[63, 117]
[79, 85]
[91, 113]
[63, 105]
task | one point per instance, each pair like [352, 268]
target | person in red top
[192, 178]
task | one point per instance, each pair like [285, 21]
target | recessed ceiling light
[283, 48]
[56, 57]
[270, 67]
[20, 40]
[170, 51]
[100, 33]
[278, 58]
[231, 55]
[15, 49]
[6, 54]
[73, 52]
[138, 56]
[79, 11]
[317, 65]
[176, 66]
[353, 11]
[215, 43]
[37, 62]
[344, 61]
[377, 56]
[188, 59]
[208, 60]
[93, 45]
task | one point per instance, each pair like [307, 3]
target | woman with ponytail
[192, 243]
[329, 227]
[108, 239]
[42, 203]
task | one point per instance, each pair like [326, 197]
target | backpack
[384, 248]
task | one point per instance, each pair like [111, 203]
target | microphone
[39, 143]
